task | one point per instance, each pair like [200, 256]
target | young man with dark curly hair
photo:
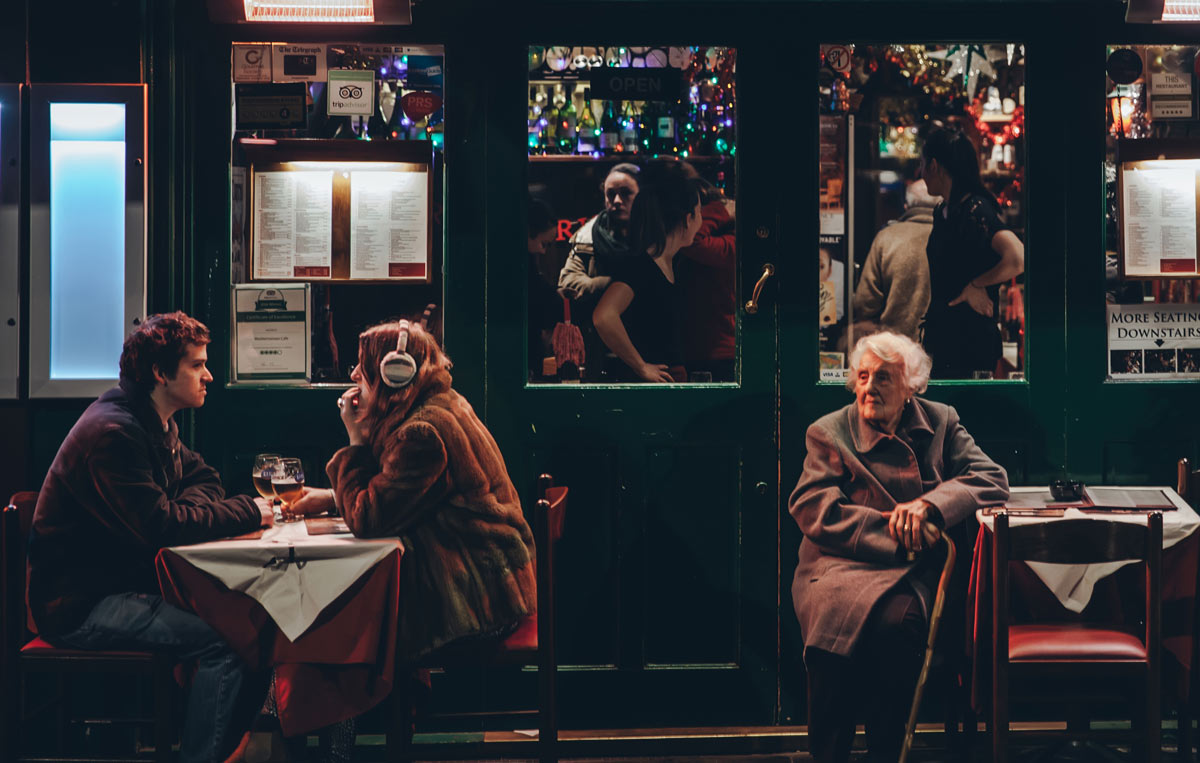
[121, 487]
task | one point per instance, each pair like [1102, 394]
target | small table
[320, 609]
[1080, 592]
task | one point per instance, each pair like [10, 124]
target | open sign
[420, 104]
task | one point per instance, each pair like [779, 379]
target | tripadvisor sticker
[351, 91]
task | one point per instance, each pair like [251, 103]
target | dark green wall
[681, 548]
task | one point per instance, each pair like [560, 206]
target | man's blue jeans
[144, 622]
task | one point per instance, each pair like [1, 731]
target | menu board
[1159, 217]
[1159, 201]
[356, 220]
[388, 225]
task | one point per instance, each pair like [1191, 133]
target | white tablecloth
[1072, 584]
[292, 574]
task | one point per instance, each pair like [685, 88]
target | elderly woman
[883, 477]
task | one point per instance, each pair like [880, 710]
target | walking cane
[939, 604]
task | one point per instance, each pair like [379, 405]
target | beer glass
[288, 482]
[265, 465]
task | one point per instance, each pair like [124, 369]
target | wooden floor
[779, 744]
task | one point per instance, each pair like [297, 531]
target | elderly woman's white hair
[894, 348]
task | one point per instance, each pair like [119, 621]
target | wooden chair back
[1077, 541]
[1085, 541]
[1187, 481]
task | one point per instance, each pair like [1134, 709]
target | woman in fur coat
[422, 466]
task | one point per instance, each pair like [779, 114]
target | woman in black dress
[970, 253]
[638, 315]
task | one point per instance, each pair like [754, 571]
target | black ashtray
[1066, 491]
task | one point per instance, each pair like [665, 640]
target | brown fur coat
[433, 475]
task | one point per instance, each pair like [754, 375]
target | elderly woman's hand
[909, 524]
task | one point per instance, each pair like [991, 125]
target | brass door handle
[752, 305]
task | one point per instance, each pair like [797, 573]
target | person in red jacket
[706, 279]
[122, 487]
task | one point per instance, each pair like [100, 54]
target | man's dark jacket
[120, 489]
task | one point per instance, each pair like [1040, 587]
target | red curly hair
[432, 365]
[159, 342]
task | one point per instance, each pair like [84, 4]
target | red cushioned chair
[532, 643]
[25, 653]
[1188, 487]
[1055, 655]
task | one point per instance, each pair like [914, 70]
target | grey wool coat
[852, 474]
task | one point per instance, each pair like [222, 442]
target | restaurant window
[336, 198]
[604, 122]
[901, 128]
[1151, 179]
[86, 231]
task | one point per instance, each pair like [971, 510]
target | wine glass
[265, 466]
[288, 482]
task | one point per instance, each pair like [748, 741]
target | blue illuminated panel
[87, 239]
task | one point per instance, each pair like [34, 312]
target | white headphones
[398, 369]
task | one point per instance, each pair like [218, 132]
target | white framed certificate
[272, 331]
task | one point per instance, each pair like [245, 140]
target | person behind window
[594, 249]
[637, 318]
[970, 252]
[893, 291]
[122, 487]
[883, 477]
[602, 240]
[545, 306]
[707, 284]
[421, 466]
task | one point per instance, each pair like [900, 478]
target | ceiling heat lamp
[1162, 11]
[310, 11]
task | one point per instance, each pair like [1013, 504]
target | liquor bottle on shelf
[550, 131]
[629, 129]
[665, 134]
[537, 100]
[586, 130]
[566, 122]
[609, 130]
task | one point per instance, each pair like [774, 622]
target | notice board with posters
[336, 210]
[1158, 202]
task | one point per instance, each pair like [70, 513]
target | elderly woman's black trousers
[875, 684]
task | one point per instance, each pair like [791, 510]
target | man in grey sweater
[893, 290]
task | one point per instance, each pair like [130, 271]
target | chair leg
[548, 712]
[999, 732]
[1153, 725]
[163, 689]
[1185, 732]
[400, 730]
[970, 731]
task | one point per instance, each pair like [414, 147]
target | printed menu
[293, 214]
[388, 236]
[1158, 219]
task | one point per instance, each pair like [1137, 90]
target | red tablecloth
[340, 667]
[1118, 597]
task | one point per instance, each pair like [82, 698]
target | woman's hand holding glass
[314, 501]
[288, 481]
